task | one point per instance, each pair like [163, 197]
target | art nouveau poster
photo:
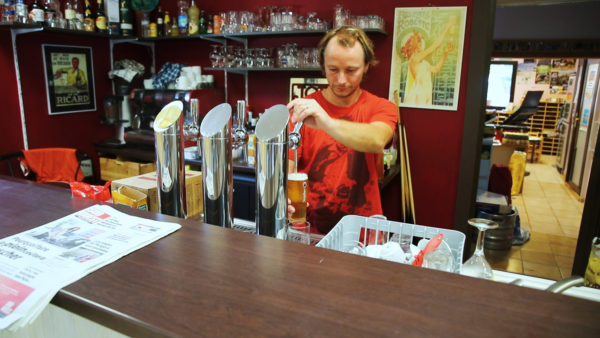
[427, 56]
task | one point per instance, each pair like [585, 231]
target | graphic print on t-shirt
[344, 195]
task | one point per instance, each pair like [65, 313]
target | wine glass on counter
[477, 265]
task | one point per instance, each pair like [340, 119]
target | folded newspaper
[36, 264]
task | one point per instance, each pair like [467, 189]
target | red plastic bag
[95, 192]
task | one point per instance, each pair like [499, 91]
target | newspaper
[36, 264]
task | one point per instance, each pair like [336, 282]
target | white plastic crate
[346, 234]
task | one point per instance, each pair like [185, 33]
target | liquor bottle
[182, 17]
[167, 24]
[78, 8]
[8, 14]
[36, 13]
[89, 23]
[100, 18]
[125, 19]
[21, 11]
[160, 22]
[49, 13]
[70, 15]
[174, 31]
[202, 24]
[217, 24]
[145, 25]
[209, 24]
[193, 24]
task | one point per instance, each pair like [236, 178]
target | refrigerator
[585, 129]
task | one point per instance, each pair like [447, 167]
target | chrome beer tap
[239, 134]
[294, 141]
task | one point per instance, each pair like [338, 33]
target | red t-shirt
[342, 181]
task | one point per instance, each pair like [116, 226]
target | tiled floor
[551, 210]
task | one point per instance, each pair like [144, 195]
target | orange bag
[95, 192]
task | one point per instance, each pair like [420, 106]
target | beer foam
[297, 177]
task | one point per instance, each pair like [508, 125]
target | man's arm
[365, 137]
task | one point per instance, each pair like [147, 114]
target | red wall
[434, 137]
[10, 128]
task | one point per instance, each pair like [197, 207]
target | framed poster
[69, 79]
[427, 56]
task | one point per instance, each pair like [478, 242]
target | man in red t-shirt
[345, 128]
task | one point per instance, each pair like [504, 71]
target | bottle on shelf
[174, 31]
[216, 26]
[70, 15]
[49, 13]
[36, 12]
[209, 24]
[125, 18]
[202, 23]
[8, 13]
[182, 17]
[167, 24]
[153, 30]
[89, 24]
[100, 18]
[193, 19]
[78, 8]
[21, 11]
[145, 25]
[160, 22]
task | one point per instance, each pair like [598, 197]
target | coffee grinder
[117, 113]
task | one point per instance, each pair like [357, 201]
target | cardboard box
[130, 197]
[146, 183]
[114, 169]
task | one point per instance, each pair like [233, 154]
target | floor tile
[564, 250]
[542, 270]
[538, 257]
[536, 246]
[564, 261]
[510, 265]
[565, 272]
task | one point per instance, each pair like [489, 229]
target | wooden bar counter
[205, 280]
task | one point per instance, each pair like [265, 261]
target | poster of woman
[427, 56]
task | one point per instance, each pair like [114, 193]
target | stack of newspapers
[36, 264]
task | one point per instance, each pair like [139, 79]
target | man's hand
[290, 209]
[311, 112]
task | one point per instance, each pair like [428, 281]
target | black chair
[524, 112]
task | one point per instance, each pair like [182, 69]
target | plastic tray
[346, 234]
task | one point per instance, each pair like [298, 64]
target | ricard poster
[69, 79]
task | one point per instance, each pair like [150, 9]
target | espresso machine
[146, 104]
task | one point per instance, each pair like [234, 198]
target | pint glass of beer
[298, 194]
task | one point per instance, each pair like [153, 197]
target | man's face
[344, 67]
[75, 63]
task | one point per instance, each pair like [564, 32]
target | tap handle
[294, 138]
[240, 137]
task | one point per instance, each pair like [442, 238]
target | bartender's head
[346, 41]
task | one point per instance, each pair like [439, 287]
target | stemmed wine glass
[215, 56]
[477, 266]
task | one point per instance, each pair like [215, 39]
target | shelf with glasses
[247, 35]
[255, 69]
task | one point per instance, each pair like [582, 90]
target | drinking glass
[215, 56]
[477, 266]
[298, 231]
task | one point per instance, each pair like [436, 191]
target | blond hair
[347, 36]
